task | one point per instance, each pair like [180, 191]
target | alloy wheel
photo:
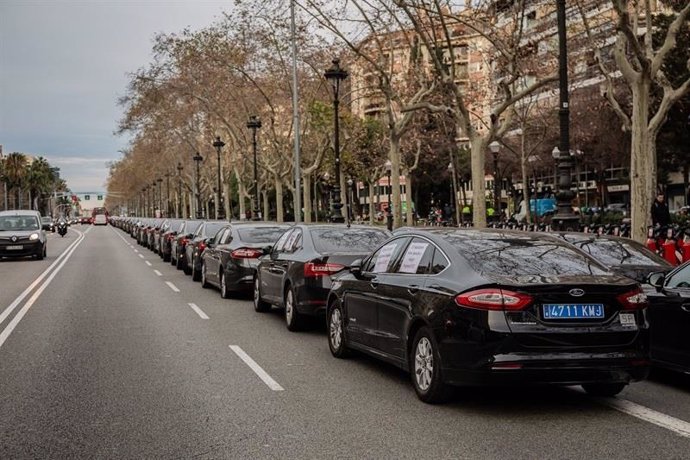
[289, 307]
[336, 329]
[424, 364]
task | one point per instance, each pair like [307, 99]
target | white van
[100, 219]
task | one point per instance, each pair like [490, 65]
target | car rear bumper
[551, 370]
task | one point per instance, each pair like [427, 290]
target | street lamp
[350, 216]
[389, 213]
[167, 194]
[564, 218]
[335, 75]
[495, 148]
[254, 123]
[160, 195]
[180, 213]
[556, 154]
[453, 191]
[218, 144]
[198, 159]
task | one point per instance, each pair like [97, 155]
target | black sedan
[297, 273]
[178, 254]
[231, 257]
[196, 246]
[168, 233]
[620, 255]
[491, 307]
[669, 317]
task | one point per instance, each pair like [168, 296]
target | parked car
[459, 307]
[47, 224]
[232, 255]
[623, 256]
[196, 245]
[22, 235]
[669, 318]
[178, 256]
[168, 233]
[297, 273]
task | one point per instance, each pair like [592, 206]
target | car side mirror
[356, 268]
[266, 249]
[657, 279]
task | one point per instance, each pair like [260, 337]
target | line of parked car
[451, 306]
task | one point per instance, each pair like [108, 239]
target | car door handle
[686, 307]
[413, 289]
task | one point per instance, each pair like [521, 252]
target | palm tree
[16, 166]
[40, 180]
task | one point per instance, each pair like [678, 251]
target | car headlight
[33, 237]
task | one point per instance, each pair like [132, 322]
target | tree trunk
[408, 198]
[279, 200]
[523, 171]
[267, 205]
[372, 209]
[478, 146]
[306, 197]
[642, 159]
[241, 197]
[394, 153]
[228, 201]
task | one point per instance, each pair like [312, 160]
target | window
[99, 197]
[280, 244]
[417, 258]
[680, 279]
[439, 262]
[87, 197]
[382, 260]
[218, 237]
[294, 242]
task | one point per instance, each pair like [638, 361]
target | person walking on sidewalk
[660, 213]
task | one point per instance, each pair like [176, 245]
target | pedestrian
[660, 214]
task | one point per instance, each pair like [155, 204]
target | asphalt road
[110, 361]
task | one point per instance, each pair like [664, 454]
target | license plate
[14, 248]
[572, 311]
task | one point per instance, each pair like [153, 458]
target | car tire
[425, 368]
[166, 257]
[223, 284]
[293, 318]
[187, 270]
[336, 332]
[196, 275]
[173, 259]
[259, 305]
[603, 389]
[203, 276]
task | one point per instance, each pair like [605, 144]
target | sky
[63, 66]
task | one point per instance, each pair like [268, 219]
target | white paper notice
[414, 254]
[384, 257]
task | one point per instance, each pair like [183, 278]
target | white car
[100, 219]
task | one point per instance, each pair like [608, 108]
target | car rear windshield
[260, 234]
[18, 223]
[510, 255]
[612, 252]
[357, 240]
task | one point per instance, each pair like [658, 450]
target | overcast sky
[63, 65]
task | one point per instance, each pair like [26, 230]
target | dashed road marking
[198, 311]
[262, 374]
[172, 286]
[157, 273]
[148, 263]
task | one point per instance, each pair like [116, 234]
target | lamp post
[564, 218]
[198, 159]
[167, 194]
[218, 144]
[495, 148]
[350, 183]
[389, 213]
[453, 192]
[254, 123]
[160, 196]
[144, 209]
[180, 213]
[335, 75]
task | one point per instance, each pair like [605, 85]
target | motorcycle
[62, 228]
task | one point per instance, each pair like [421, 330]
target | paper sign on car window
[414, 254]
[384, 257]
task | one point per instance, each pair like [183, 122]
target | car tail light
[184, 241]
[201, 246]
[494, 299]
[633, 300]
[246, 253]
[313, 270]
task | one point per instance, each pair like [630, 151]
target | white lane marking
[148, 263]
[172, 286]
[678, 426]
[141, 255]
[18, 317]
[31, 287]
[136, 250]
[157, 273]
[263, 375]
[198, 311]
